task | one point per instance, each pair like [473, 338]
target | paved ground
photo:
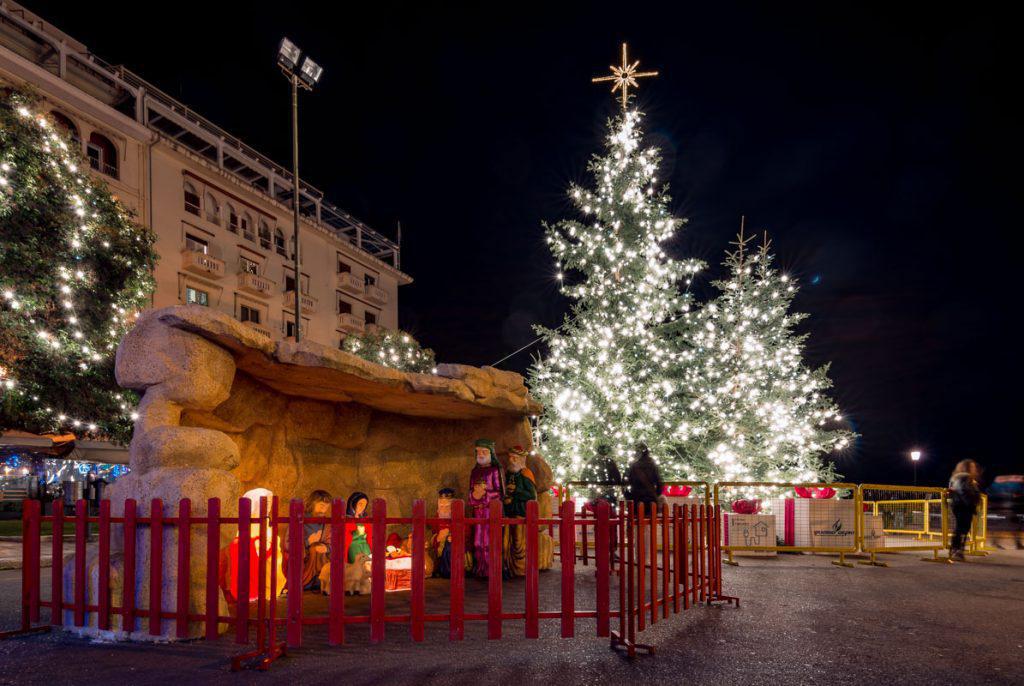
[802, 621]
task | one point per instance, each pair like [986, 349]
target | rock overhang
[318, 372]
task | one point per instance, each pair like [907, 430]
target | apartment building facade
[221, 211]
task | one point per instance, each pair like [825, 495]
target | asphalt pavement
[802, 621]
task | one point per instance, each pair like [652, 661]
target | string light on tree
[755, 412]
[74, 271]
[603, 378]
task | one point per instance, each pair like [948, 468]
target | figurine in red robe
[485, 486]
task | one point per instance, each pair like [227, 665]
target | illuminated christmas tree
[74, 271]
[603, 379]
[755, 411]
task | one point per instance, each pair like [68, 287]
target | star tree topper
[624, 76]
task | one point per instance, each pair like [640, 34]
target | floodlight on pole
[288, 54]
[310, 72]
[307, 76]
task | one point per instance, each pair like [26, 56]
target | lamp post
[915, 455]
[306, 77]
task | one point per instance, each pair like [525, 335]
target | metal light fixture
[307, 76]
[288, 54]
[310, 72]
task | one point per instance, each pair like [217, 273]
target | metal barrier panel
[902, 518]
[977, 539]
[765, 518]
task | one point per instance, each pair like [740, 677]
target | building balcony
[255, 284]
[202, 263]
[350, 283]
[307, 302]
[259, 329]
[376, 294]
[349, 323]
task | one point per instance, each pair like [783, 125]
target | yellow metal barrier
[902, 518]
[871, 518]
[787, 523]
[978, 540]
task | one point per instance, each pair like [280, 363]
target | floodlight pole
[295, 202]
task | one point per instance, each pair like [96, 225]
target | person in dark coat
[643, 478]
[603, 475]
[964, 495]
[606, 484]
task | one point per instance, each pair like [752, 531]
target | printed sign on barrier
[874, 534]
[750, 530]
[833, 524]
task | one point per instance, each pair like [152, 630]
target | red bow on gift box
[751, 506]
[677, 490]
[820, 493]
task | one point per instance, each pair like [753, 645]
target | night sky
[874, 144]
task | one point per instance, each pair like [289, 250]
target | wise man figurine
[520, 488]
[485, 486]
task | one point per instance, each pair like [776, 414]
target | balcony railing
[259, 329]
[376, 294]
[350, 283]
[307, 302]
[349, 323]
[255, 284]
[202, 263]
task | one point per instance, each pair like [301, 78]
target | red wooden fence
[650, 573]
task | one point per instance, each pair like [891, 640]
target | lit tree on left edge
[74, 271]
[755, 411]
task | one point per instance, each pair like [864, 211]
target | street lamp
[915, 455]
[307, 76]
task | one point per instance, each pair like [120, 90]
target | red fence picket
[654, 562]
[567, 538]
[296, 545]
[103, 569]
[336, 603]
[128, 587]
[261, 575]
[81, 530]
[212, 567]
[30, 555]
[243, 581]
[494, 551]
[156, 565]
[457, 585]
[377, 571]
[627, 550]
[532, 584]
[417, 597]
[184, 567]
[57, 569]
[602, 555]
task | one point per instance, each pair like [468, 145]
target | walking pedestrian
[965, 494]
